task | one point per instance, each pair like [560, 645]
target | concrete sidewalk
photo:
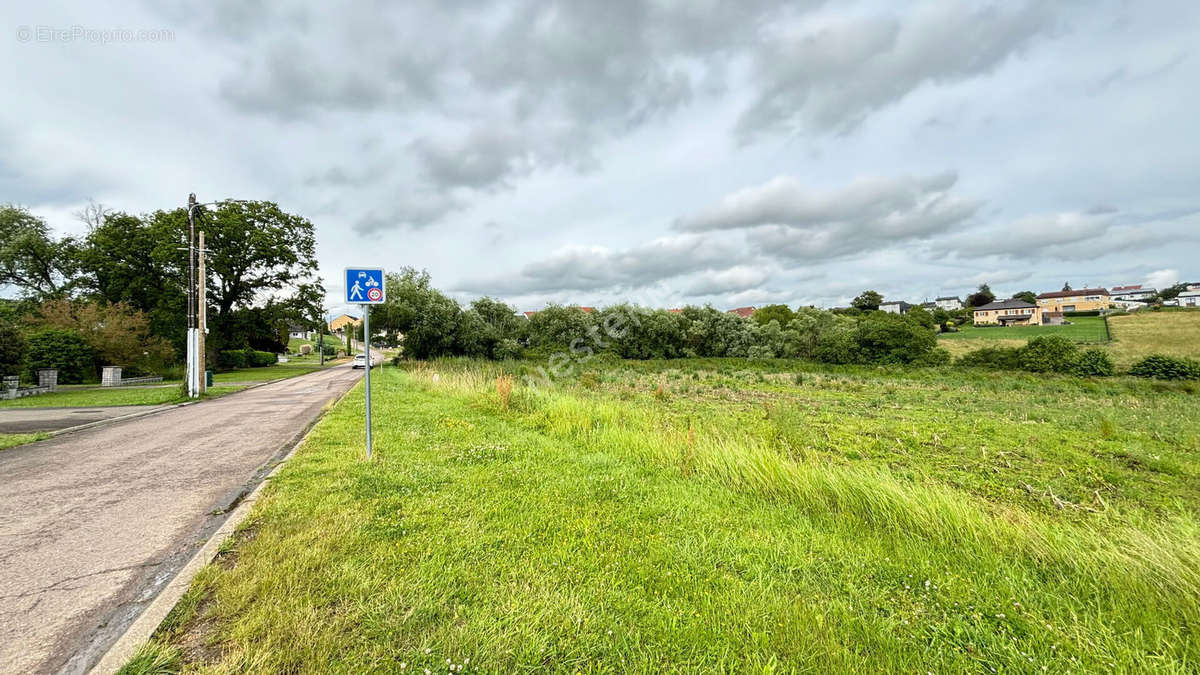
[98, 521]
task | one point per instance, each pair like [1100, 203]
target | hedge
[62, 349]
[233, 359]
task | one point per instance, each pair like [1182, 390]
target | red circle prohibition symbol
[375, 295]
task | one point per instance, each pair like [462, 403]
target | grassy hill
[719, 516]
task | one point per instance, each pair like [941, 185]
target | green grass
[279, 370]
[90, 398]
[720, 516]
[294, 344]
[13, 440]
[1082, 329]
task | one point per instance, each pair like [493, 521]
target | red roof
[743, 312]
[675, 311]
[1077, 291]
[1127, 288]
[588, 310]
[529, 314]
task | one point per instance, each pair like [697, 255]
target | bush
[996, 358]
[1093, 363]
[258, 359]
[1048, 354]
[892, 339]
[1162, 367]
[938, 356]
[507, 349]
[65, 350]
[305, 350]
[12, 349]
[231, 359]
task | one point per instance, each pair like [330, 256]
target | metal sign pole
[367, 342]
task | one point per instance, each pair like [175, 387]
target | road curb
[140, 631]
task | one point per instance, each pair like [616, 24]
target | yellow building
[1008, 313]
[339, 324]
[1081, 300]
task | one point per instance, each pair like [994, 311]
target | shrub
[889, 338]
[62, 349]
[231, 359]
[996, 358]
[1093, 363]
[12, 349]
[1162, 367]
[938, 356]
[1048, 354]
[507, 348]
[305, 350]
[257, 359]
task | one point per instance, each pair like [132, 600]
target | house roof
[1126, 288]
[950, 297]
[675, 311]
[1073, 293]
[1189, 294]
[743, 312]
[1011, 303]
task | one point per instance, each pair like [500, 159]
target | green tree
[981, 297]
[921, 316]
[883, 337]
[428, 319]
[1027, 296]
[30, 259]
[781, 313]
[1048, 354]
[867, 300]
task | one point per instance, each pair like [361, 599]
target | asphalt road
[29, 420]
[96, 522]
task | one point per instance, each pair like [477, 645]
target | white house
[1129, 305]
[1130, 293]
[1188, 299]
[895, 307]
[949, 303]
[299, 333]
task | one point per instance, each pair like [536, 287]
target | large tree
[1027, 296]
[30, 258]
[867, 300]
[981, 297]
[781, 313]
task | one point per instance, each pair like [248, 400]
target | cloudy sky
[669, 152]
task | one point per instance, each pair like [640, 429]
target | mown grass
[1081, 329]
[720, 516]
[1174, 333]
[91, 398]
[13, 440]
[279, 370]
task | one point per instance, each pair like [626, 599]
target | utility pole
[202, 306]
[192, 345]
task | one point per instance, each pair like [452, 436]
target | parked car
[360, 361]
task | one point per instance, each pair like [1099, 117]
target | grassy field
[1175, 333]
[90, 398]
[718, 516]
[13, 440]
[292, 368]
[1081, 329]
[294, 344]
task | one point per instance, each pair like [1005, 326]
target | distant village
[1049, 308]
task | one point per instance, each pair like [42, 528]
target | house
[949, 303]
[744, 312]
[1130, 293]
[299, 333]
[338, 325]
[1011, 312]
[1188, 298]
[1079, 300]
[1130, 305]
[895, 307]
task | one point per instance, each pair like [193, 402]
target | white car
[360, 361]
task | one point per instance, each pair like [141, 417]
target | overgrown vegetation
[721, 515]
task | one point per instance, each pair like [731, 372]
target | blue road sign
[364, 286]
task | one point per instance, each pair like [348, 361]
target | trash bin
[208, 378]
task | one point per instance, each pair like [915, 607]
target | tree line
[435, 325]
[118, 293]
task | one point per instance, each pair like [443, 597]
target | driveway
[96, 522]
[29, 420]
